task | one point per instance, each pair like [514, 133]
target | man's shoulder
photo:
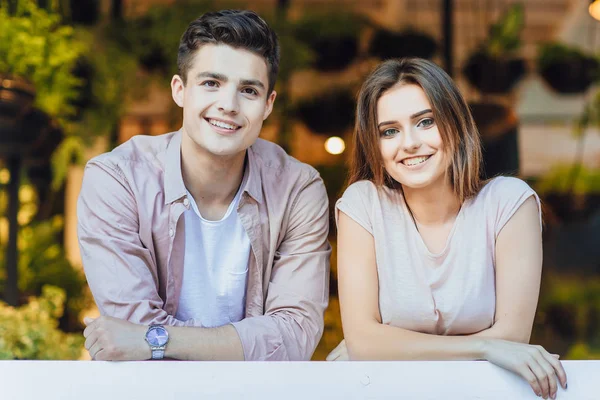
[140, 149]
[276, 164]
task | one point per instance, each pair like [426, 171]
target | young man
[208, 243]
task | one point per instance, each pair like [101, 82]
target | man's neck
[213, 181]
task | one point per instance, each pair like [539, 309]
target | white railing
[464, 380]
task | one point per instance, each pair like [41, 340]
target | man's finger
[91, 340]
[95, 349]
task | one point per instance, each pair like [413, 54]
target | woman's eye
[425, 123]
[389, 132]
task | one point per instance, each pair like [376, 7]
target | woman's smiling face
[410, 141]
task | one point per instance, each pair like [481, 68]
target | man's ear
[177, 90]
[270, 102]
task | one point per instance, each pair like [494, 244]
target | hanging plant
[332, 37]
[36, 48]
[494, 68]
[498, 127]
[567, 70]
[411, 43]
[330, 113]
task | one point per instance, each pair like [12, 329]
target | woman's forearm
[383, 342]
[504, 331]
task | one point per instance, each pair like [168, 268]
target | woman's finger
[550, 375]
[541, 376]
[553, 360]
[530, 377]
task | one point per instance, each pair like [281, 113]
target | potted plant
[37, 56]
[494, 68]
[329, 113]
[410, 43]
[566, 69]
[332, 37]
[498, 128]
[573, 191]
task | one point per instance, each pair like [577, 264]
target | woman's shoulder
[501, 197]
[503, 188]
[360, 191]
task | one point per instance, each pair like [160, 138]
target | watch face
[157, 336]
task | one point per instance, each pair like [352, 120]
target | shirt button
[186, 202]
[171, 232]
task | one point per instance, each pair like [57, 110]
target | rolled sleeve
[120, 270]
[298, 290]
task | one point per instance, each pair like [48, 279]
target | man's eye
[249, 91]
[425, 123]
[210, 83]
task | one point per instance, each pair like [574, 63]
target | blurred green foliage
[569, 314]
[505, 35]
[36, 47]
[42, 261]
[561, 179]
[31, 332]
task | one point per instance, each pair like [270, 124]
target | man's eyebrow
[415, 115]
[223, 78]
[252, 82]
[214, 75]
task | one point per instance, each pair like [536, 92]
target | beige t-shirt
[449, 293]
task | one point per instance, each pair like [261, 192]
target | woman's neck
[432, 205]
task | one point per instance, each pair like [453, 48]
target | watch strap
[158, 353]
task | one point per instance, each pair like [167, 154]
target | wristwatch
[157, 338]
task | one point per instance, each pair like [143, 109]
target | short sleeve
[357, 203]
[509, 194]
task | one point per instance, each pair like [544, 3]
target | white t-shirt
[215, 268]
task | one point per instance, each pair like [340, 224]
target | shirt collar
[173, 184]
[253, 184]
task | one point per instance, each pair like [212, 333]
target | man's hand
[112, 339]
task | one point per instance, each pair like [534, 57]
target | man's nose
[228, 101]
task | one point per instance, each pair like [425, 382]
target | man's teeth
[415, 161]
[222, 124]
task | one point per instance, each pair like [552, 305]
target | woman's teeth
[415, 160]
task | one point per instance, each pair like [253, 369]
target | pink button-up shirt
[131, 237]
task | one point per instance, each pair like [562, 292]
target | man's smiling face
[225, 99]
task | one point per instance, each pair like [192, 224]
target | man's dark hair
[241, 29]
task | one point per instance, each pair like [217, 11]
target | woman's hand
[340, 353]
[533, 363]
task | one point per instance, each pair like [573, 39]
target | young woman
[433, 262]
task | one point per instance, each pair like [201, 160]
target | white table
[95, 380]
